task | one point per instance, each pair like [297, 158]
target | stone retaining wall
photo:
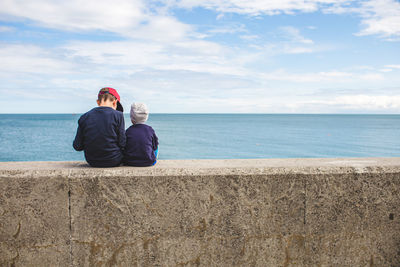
[272, 212]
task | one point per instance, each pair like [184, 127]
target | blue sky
[201, 56]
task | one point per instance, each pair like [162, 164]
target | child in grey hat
[141, 141]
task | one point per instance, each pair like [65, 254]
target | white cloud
[293, 34]
[353, 103]
[365, 102]
[220, 16]
[350, 103]
[386, 70]
[139, 18]
[378, 17]
[132, 56]
[163, 60]
[256, 7]
[291, 42]
[287, 49]
[371, 77]
[6, 29]
[381, 17]
[319, 77]
[363, 67]
[289, 45]
[228, 29]
[249, 37]
[117, 16]
[392, 66]
[161, 29]
[31, 59]
[129, 18]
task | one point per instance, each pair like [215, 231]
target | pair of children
[101, 134]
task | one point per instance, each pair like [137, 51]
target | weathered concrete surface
[279, 212]
[34, 219]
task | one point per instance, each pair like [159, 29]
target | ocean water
[48, 137]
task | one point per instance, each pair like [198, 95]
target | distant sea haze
[48, 137]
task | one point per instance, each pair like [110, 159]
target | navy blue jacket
[101, 134]
[141, 142]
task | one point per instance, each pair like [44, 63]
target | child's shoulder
[140, 127]
[89, 112]
[101, 112]
[149, 128]
[84, 115]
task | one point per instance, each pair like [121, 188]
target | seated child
[141, 141]
[101, 131]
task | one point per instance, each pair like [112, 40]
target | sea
[49, 137]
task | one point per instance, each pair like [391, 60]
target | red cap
[113, 92]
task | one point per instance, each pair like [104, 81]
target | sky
[201, 56]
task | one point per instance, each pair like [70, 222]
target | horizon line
[211, 113]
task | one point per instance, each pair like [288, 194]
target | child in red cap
[101, 131]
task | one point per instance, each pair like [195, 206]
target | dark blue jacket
[101, 134]
[141, 142]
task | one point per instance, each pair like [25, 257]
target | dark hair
[105, 96]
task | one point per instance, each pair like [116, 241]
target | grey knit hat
[139, 113]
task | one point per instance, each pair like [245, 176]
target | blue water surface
[48, 137]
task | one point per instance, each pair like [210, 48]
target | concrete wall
[290, 212]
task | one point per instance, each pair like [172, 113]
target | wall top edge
[207, 167]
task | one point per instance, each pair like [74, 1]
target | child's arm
[121, 133]
[79, 138]
[154, 140]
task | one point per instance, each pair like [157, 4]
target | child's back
[101, 134]
[141, 140]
